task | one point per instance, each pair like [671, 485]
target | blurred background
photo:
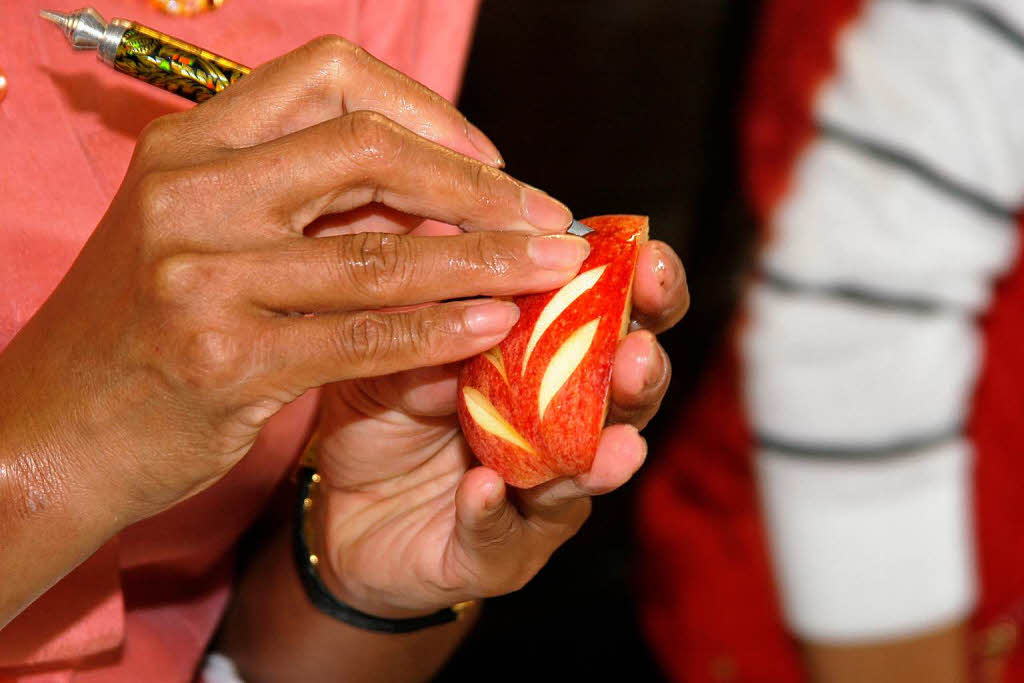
[840, 500]
[614, 107]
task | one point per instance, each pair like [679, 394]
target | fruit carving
[532, 408]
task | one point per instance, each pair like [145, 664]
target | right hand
[198, 308]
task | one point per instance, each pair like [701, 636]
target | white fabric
[871, 550]
[882, 548]
[862, 222]
[825, 371]
[1010, 11]
[219, 668]
[938, 85]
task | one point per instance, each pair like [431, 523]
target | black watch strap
[327, 603]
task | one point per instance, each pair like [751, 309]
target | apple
[532, 408]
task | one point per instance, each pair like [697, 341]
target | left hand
[409, 523]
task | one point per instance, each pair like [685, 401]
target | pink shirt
[145, 606]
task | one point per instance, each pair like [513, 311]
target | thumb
[488, 527]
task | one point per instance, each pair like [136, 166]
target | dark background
[614, 106]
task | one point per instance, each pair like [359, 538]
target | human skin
[940, 655]
[449, 546]
[407, 525]
[200, 298]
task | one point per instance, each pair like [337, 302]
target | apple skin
[563, 439]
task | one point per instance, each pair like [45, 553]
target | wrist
[41, 479]
[42, 475]
[321, 596]
[52, 508]
[329, 564]
[50, 463]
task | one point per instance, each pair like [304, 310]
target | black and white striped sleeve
[862, 348]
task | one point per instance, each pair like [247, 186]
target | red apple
[532, 408]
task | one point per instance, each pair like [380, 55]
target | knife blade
[578, 229]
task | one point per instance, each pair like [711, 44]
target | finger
[500, 548]
[620, 453]
[369, 218]
[494, 547]
[660, 295]
[641, 372]
[495, 544]
[375, 270]
[423, 392]
[429, 228]
[376, 218]
[349, 162]
[310, 351]
[330, 77]
[486, 522]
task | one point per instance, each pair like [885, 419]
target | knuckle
[427, 337]
[336, 61]
[493, 253]
[367, 339]
[157, 133]
[175, 197]
[195, 346]
[333, 49]
[381, 263]
[488, 188]
[212, 359]
[161, 193]
[502, 531]
[486, 181]
[182, 278]
[370, 140]
[161, 135]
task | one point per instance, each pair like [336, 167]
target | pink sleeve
[82, 616]
[434, 53]
[86, 147]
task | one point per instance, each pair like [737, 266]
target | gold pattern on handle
[186, 8]
[173, 64]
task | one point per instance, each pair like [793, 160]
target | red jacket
[709, 602]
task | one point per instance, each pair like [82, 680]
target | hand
[408, 523]
[199, 308]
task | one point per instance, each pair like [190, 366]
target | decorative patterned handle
[174, 65]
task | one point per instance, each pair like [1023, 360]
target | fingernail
[668, 275]
[655, 364]
[558, 252]
[492, 317]
[484, 145]
[545, 212]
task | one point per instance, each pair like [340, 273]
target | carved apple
[532, 408]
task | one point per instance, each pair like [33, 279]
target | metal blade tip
[578, 229]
